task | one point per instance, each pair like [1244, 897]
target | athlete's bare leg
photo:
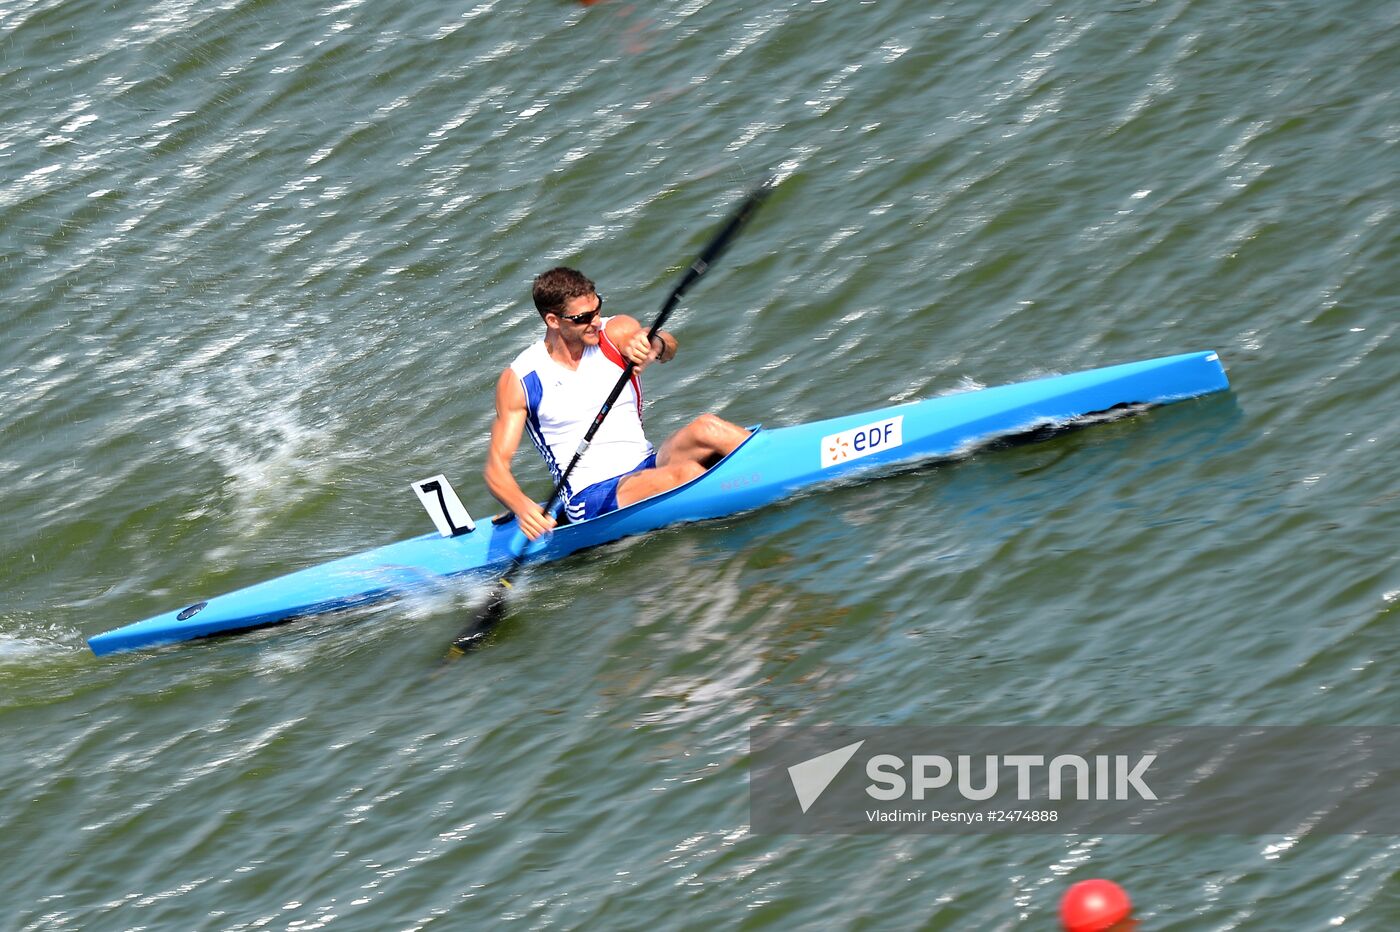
[686, 454]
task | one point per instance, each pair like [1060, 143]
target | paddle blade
[475, 633]
[741, 216]
[736, 222]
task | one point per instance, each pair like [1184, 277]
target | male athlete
[554, 390]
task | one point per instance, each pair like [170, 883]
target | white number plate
[443, 506]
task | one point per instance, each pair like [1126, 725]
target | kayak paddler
[554, 389]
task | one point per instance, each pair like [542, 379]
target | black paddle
[474, 633]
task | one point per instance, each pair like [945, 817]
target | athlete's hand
[640, 351]
[534, 522]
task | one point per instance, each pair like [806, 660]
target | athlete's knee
[715, 432]
[706, 424]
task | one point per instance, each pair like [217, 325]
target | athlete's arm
[630, 338]
[505, 438]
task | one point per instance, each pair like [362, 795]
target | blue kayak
[768, 466]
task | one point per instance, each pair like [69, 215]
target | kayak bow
[768, 466]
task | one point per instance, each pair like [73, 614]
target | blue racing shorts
[601, 497]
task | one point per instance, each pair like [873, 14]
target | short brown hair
[557, 286]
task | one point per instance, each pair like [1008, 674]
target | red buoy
[1094, 906]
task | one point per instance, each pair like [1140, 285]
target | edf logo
[862, 441]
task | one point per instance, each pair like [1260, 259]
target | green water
[261, 263]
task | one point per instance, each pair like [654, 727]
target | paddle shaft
[698, 268]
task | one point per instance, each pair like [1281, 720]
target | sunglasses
[587, 317]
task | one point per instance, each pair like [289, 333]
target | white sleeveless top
[561, 404]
